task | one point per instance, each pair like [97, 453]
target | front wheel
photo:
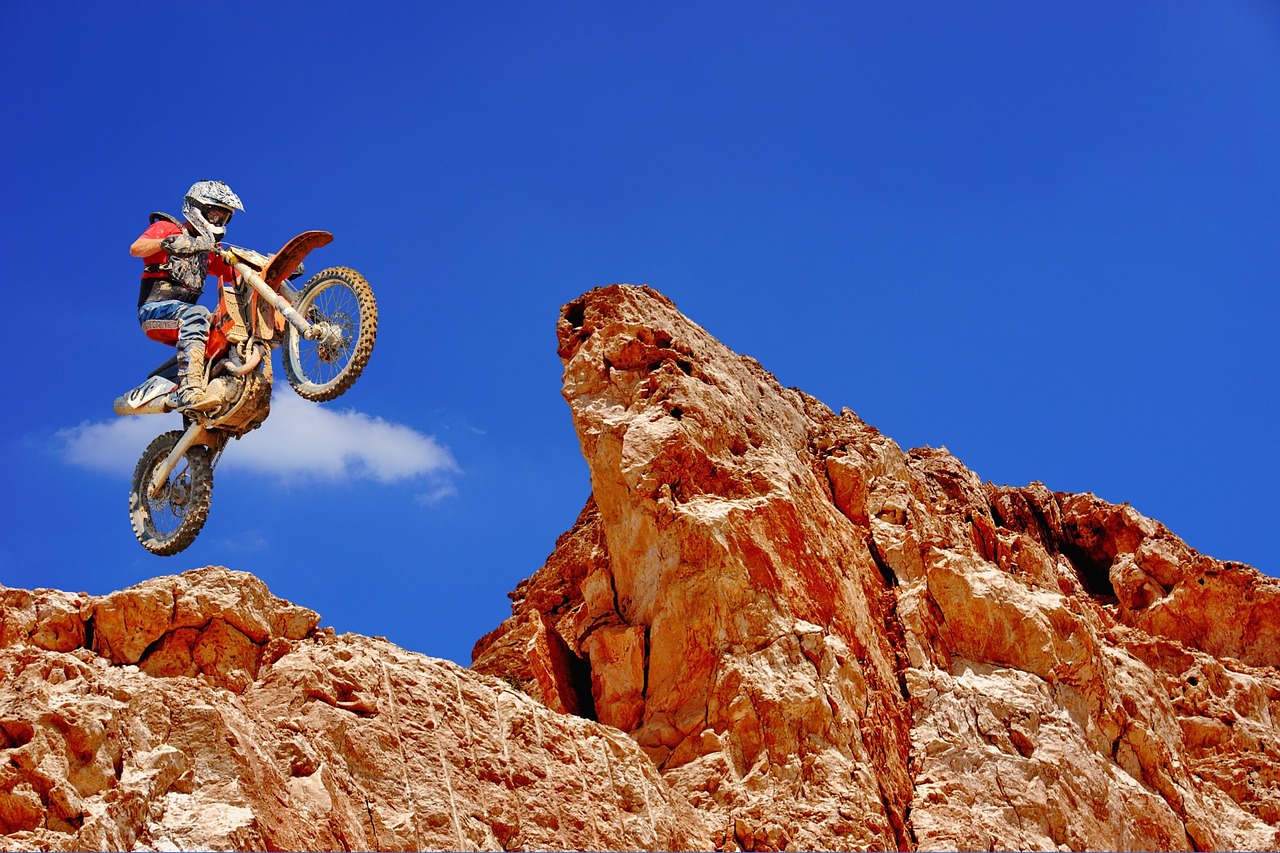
[339, 303]
[169, 522]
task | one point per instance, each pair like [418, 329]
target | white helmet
[206, 198]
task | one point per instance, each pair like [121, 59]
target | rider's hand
[186, 244]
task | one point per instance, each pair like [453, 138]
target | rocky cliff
[201, 712]
[769, 628]
[822, 641]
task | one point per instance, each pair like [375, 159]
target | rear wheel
[339, 303]
[169, 522]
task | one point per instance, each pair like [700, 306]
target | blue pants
[190, 321]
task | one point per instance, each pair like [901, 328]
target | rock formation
[201, 712]
[824, 642]
[770, 628]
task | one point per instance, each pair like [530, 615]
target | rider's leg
[193, 334]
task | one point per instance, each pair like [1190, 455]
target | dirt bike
[326, 330]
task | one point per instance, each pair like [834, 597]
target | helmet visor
[217, 216]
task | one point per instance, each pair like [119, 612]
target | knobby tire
[307, 363]
[168, 525]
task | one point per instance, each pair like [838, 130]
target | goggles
[217, 216]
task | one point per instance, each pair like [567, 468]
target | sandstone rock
[207, 621]
[46, 618]
[242, 727]
[850, 646]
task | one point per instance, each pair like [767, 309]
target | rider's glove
[186, 244]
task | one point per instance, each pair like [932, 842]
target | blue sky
[1042, 235]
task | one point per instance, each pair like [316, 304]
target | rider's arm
[144, 247]
[149, 243]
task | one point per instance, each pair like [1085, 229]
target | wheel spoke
[336, 310]
[169, 510]
[341, 309]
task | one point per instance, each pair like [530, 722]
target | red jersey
[164, 228]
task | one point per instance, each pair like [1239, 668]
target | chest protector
[181, 277]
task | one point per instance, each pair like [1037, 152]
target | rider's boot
[191, 394]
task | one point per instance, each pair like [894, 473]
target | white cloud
[305, 439]
[299, 441]
[112, 447]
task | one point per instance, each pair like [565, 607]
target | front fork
[278, 302]
[326, 333]
[195, 434]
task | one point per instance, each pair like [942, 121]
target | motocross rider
[177, 258]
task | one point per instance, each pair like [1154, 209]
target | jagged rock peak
[823, 641]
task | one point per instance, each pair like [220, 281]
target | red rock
[243, 727]
[853, 646]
